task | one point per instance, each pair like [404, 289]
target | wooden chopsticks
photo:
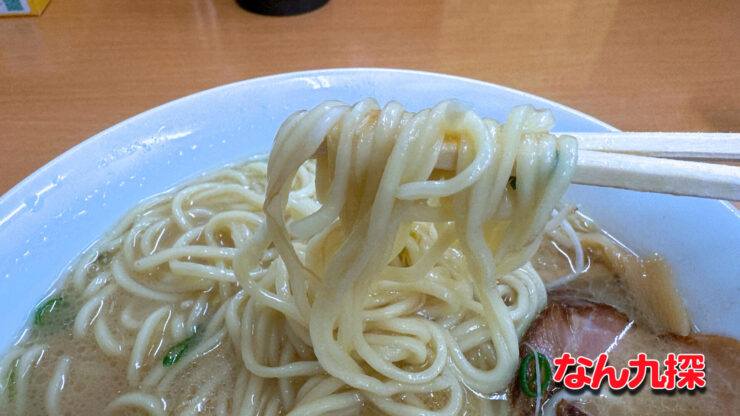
[648, 162]
[652, 174]
[703, 146]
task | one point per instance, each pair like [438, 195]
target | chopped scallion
[48, 307]
[526, 378]
[177, 351]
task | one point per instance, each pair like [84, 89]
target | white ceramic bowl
[48, 219]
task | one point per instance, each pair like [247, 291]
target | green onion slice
[545, 371]
[45, 309]
[177, 351]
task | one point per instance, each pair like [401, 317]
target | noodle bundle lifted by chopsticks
[406, 284]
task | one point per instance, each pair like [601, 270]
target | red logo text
[678, 371]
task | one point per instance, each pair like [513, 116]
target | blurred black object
[281, 7]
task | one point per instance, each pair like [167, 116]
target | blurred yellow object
[22, 7]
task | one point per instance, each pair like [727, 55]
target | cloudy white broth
[346, 274]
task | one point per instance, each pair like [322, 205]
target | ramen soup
[346, 275]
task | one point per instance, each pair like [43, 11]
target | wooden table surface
[85, 65]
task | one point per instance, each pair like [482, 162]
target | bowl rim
[17, 188]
